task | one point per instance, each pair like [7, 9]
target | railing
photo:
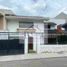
[10, 35]
[56, 39]
[44, 38]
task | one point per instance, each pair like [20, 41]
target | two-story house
[25, 34]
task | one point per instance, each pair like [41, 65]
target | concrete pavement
[45, 62]
[31, 56]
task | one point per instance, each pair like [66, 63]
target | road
[51, 62]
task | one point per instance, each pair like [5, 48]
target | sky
[46, 8]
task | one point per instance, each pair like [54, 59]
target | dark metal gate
[11, 46]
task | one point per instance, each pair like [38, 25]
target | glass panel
[26, 24]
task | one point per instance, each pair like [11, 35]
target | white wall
[12, 25]
[53, 48]
[58, 21]
[38, 38]
[39, 26]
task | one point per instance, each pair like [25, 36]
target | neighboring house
[57, 34]
[62, 16]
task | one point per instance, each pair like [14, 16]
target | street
[51, 62]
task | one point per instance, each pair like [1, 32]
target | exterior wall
[12, 25]
[38, 41]
[39, 26]
[1, 23]
[53, 48]
[58, 21]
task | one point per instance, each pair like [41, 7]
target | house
[20, 33]
[25, 34]
[63, 16]
[55, 38]
[57, 34]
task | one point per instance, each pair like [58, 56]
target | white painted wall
[53, 48]
[58, 21]
[39, 26]
[12, 25]
[38, 41]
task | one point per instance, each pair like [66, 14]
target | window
[26, 24]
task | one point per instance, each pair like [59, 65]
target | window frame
[24, 23]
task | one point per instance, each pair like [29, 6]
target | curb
[30, 56]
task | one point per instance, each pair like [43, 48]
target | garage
[11, 46]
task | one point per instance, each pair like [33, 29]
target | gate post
[38, 43]
[26, 44]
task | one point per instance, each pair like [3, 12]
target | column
[34, 42]
[38, 43]
[26, 44]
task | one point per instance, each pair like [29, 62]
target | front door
[30, 43]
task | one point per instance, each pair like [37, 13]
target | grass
[32, 51]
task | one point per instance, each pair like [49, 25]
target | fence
[13, 42]
[56, 39]
[47, 38]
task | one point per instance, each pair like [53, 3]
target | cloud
[4, 7]
[48, 8]
[32, 8]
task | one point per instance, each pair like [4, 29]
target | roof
[16, 17]
[61, 16]
[5, 11]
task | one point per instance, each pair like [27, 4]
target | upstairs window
[26, 24]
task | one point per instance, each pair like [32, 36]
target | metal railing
[44, 38]
[56, 39]
[9, 35]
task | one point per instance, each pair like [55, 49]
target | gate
[11, 45]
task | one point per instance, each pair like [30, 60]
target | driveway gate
[10, 45]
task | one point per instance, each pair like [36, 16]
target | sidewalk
[31, 56]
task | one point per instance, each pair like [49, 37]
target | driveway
[48, 62]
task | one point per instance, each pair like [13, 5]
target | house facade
[27, 29]
[25, 34]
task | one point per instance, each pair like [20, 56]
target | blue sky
[46, 8]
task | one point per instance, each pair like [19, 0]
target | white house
[28, 32]
[27, 29]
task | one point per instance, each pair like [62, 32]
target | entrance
[11, 47]
[30, 43]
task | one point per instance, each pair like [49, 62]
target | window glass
[26, 24]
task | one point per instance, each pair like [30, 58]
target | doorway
[30, 43]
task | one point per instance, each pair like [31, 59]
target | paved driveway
[51, 62]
